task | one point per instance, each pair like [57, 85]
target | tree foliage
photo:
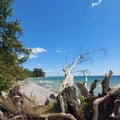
[3, 83]
[10, 47]
[38, 72]
[12, 52]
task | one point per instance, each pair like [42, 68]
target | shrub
[4, 83]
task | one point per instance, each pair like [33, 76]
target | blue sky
[56, 29]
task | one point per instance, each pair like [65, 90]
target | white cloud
[96, 3]
[60, 51]
[38, 65]
[32, 56]
[36, 51]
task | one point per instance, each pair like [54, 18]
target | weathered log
[55, 116]
[104, 106]
[18, 117]
[93, 85]
[83, 90]
[61, 103]
[70, 103]
[106, 83]
[17, 98]
[117, 106]
[89, 95]
[69, 81]
[2, 117]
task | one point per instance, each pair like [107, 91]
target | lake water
[54, 82]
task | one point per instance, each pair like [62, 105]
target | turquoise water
[54, 82]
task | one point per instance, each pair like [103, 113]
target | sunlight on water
[54, 82]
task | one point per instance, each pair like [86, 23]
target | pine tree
[10, 47]
[12, 52]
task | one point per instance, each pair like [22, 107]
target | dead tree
[69, 103]
[85, 74]
[88, 94]
[89, 97]
[67, 99]
[106, 83]
[93, 85]
[68, 81]
[105, 106]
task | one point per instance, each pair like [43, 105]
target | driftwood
[69, 103]
[89, 97]
[106, 83]
[88, 94]
[84, 91]
[93, 85]
[67, 99]
[56, 116]
[2, 117]
[106, 104]
[69, 81]
[19, 117]
[61, 103]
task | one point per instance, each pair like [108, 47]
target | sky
[60, 30]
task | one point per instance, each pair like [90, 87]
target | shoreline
[36, 93]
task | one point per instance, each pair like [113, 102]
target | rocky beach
[28, 100]
[36, 93]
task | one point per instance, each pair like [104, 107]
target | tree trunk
[70, 103]
[106, 83]
[104, 106]
[61, 103]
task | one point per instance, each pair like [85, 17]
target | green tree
[38, 72]
[12, 51]
[3, 83]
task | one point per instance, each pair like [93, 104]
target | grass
[30, 108]
[8, 104]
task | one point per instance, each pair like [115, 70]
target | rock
[47, 102]
[36, 93]
[53, 96]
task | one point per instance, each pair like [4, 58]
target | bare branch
[52, 116]
[62, 115]
[82, 89]
[106, 83]
[97, 102]
[93, 85]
